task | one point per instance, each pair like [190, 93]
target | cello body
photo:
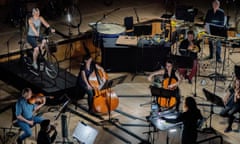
[104, 100]
[167, 102]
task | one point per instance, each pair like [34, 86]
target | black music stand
[221, 34]
[215, 101]
[161, 93]
[185, 62]
[64, 122]
[108, 85]
[138, 31]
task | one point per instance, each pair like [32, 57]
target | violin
[38, 98]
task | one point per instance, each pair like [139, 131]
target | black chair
[128, 23]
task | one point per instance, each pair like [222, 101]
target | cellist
[87, 67]
[171, 80]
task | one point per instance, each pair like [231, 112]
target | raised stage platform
[14, 73]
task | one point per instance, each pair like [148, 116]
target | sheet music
[84, 133]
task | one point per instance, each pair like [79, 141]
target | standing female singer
[190, 117]
[232, 102]
[170, 72]
[86, 69]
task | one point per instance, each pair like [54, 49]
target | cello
[168, 102]
[104, 99]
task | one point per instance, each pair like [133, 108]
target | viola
[38, 98]
[168, 102]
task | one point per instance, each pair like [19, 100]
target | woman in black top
[83, 86]
[232, 102]
[170, 72]
[190, 117]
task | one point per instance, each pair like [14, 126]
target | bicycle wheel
[51, 65]
[76, 16]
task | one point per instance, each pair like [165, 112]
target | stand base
[217, 76]
[209, 130]
[138, 74]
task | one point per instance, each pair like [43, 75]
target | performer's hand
[31, 122]
[52, 30]
[89, 87]
[149, 78]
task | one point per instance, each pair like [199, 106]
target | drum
[108, 30]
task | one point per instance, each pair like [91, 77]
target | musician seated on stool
[169, 74]
[83, 86]
[190, 117]
[47, 133]
[232, 104]
[24, 113]
[215, 16]
[189, 47]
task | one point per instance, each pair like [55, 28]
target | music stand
[162, 93]
[220, 33]
[215, 101]
[138, 31]
[64, 122]
[84, 133]
[108, 85]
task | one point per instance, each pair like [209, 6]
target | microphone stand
[98, 37]
[135, 11]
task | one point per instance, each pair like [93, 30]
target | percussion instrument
[108, 30]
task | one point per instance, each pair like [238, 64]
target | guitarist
[189, 47]
[88, 66]
[169, 75]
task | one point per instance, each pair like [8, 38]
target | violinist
[189, 47]
[25, 114]
[232, 104]
[83, 86]
[170, 74]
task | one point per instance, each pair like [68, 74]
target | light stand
[97, 36]
[141, 30]
[69, 19]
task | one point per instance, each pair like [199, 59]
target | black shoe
[228, 129]
[219, 61]
[19, 141]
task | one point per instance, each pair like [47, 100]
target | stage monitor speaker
[84, 133]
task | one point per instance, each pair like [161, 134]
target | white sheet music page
[84, 133]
